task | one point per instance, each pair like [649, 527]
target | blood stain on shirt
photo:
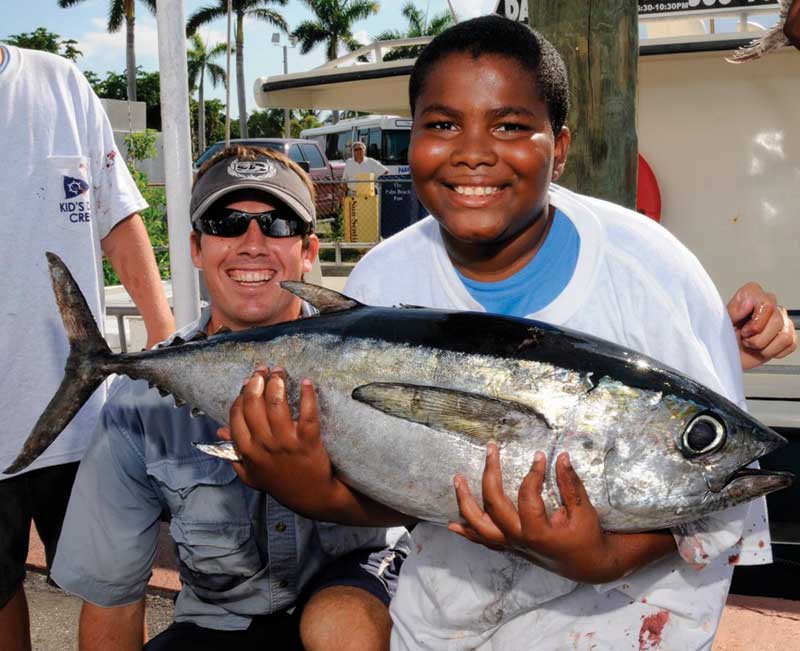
[652, 627]
[733, 559]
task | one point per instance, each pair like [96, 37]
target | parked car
[326, 175]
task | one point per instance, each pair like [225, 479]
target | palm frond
[217, 73]
[358, 10]
[310, 34]
[270, 16]
[65, 4]
[116, 15]
[205, 15]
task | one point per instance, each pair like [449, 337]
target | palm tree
[199, 60]
[241, 8]
[120, 11]
[333, 26]
[418, 25]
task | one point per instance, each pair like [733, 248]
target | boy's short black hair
[498, 35]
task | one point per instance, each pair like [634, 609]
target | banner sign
[518, 9]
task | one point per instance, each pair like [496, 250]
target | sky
[86, 23]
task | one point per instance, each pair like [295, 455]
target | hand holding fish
[570, 542]
[281, 456]
[763, 328]
[287, 459]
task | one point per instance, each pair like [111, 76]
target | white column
[177, 156]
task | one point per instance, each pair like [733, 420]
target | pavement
[748, 623]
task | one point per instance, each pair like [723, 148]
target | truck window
[395, 147]
[374, 146]
[313, 156]
[295, 154]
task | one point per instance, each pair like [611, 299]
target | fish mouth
[749, 483]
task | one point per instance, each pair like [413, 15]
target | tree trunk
[333, 53]
[240, 90]
[130, 51]
[201, 115]
[599, 40]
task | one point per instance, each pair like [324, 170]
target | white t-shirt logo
[256, 170]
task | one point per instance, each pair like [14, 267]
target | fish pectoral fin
[325, 300]
[478, 417]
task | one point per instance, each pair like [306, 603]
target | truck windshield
[395, 147]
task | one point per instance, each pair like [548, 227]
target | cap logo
[256, 170]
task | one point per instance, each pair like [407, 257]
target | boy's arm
[569, 542]
[120, 628]
[792, 25]
[287, 459]
[763, 328]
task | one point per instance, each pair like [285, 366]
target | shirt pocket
[65, 192]
[210, 524]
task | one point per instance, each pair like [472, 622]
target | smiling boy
[489, 99]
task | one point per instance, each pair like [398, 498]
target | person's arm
[791, 28]
[128, 248]
[120, 628]
[569, 542]
[763, 328]
[287, 459]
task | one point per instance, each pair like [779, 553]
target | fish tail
[88, 364]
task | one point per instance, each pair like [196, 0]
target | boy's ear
[560, 151]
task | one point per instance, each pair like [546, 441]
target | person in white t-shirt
[360, 163]
[490, 100]
[65, 189]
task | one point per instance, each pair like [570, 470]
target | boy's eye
[441, 125]
[512, 127]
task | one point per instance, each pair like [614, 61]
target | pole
[287, 114]
[177, 157]
[599, 40]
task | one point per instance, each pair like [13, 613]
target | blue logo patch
[74, 187]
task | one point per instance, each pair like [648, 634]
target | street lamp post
[287, 114]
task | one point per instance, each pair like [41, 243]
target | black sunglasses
[228, 222]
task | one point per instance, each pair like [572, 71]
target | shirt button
[280, 527]
[283, 584]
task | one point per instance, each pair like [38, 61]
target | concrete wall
[131, 116]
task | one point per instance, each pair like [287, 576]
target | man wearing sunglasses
[254, 574]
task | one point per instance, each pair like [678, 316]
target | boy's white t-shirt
[636, 285]
[64, 188]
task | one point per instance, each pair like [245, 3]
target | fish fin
[200, 335]
[757, 48]
[325, 300]
[478, 417]
[177, 341]
[88, 364]
[197, 412]
[179, 402]
[220, 449]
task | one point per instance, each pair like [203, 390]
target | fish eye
[706, 433]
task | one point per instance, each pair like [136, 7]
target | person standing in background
[360, 163]
[66, 189]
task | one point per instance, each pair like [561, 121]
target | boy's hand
[280, 456]
[763, 328]
[570, 542]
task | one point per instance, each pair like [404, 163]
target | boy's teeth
[472, 190]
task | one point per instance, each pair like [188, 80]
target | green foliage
[115, 86]
[47, 41]
[418, 25]
[155, 222]
[333, 25]
[141, 146]
[265, 124]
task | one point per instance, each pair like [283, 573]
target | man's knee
[345, 618]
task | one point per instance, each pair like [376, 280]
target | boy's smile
[482, 157]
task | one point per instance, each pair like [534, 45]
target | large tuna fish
[409, 397]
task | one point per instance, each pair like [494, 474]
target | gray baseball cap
[268, 175]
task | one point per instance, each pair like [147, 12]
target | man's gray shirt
[240, 552]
